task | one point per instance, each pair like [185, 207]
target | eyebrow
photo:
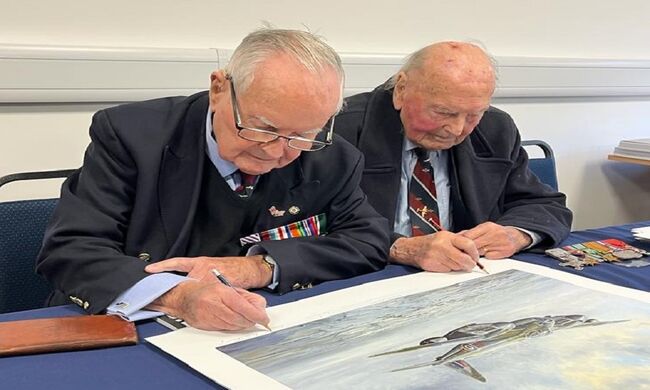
[266, 121]
[271, 124]
[447, 110]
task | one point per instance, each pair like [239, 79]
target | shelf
[631, 160]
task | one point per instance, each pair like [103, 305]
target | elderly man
[447, 169]
[242, 182]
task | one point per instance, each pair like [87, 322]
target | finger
[181, 264]
[222, 310]
[465, 263]
[224, 319]
[255, 299]
[436, 265]
[240, 304]
[460, 261]
[467, 246]
[231, 319]
[476, 232]
[498, 254]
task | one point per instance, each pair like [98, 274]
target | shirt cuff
[258, 250]
[130, 303]
[535, 237]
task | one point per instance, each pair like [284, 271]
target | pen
[221, 278]
[481, 266]
[225, 282]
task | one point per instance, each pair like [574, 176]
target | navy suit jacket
[489, 175]
[138, 189]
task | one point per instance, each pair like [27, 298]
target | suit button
[144, 256]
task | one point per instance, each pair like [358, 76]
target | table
[143, 366]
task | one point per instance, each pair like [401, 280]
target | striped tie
[423, 205]
[247, 184]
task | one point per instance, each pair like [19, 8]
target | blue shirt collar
[409, 145]
[225, 168]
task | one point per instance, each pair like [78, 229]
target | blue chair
[22, 224]
[543, 167]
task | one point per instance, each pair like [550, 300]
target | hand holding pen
[225, 282]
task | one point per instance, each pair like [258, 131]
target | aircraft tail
[466, 369]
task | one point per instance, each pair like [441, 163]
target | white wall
[582, 131]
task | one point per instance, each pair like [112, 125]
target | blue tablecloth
[143, 366]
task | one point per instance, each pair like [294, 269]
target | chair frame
[548, 155]
[58, 174]
[10, 298]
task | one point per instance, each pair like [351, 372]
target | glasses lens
[257, 136]
[304, 144]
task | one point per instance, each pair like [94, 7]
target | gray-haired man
[243, 179]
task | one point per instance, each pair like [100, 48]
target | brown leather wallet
[26, 337]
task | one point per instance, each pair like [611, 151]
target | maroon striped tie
[423, 205]
[247, 184]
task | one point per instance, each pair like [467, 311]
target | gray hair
[416, 61]
[308, 49]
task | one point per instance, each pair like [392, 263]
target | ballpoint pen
[220, 277]
[481, 266]
[225, 282]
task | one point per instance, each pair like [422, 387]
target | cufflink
[121, 305]
[76, 300]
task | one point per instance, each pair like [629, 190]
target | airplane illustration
[475, 339]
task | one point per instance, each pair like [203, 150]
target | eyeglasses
[266, 136]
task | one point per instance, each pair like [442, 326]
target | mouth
[263, 160]
[438, 138]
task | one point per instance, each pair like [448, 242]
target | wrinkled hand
[211, 305]
[439, 252]
[245, 272]
[497, 242]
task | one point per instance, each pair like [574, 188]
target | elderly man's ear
[218, 81]
[398, 92]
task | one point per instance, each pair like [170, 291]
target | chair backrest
[22, 225]
[543, 167]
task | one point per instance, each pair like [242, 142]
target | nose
[275, 149]
[456, 125]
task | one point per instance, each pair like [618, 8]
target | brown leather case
[65, 334]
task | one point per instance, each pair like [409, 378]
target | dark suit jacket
[137, 193]
[489, 175]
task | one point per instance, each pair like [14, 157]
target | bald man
[446, 168]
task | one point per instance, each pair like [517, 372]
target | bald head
[455, 63]
[442, 92]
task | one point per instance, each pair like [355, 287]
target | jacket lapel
[289, 191]
[475, 192]
[382, 127]
[181, 173]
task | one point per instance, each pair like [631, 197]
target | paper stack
[642, 233]
[635, 148]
